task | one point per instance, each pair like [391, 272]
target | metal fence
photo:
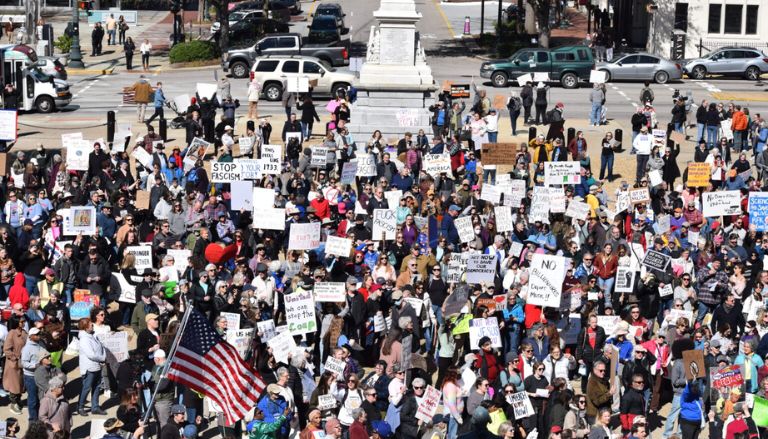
[707, 46]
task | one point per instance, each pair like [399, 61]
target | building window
[733, 19]
[751, 20]
[681, 16]
[715, 12]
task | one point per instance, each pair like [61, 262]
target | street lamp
[75, 57]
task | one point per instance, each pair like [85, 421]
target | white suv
[273, 73]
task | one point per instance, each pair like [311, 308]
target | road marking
[445, 18]
[622, 93]
[614, 87]
[634, 104]
[351, 13]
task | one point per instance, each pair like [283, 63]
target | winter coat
[12, 373]
[18, 292]
[92, 353]
[526, 94]
[55, 410]
[142, 92]
[598, 395]
[584, 349]
[408, 423]
[102, 271]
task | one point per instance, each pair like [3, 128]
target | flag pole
[166, 366]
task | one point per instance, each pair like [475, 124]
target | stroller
[180, 121]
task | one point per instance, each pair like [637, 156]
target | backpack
[514, 105]
[647, 97]
[548, 116]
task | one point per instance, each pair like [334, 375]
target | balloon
[217, 253]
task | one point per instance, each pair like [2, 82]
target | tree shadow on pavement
[452, 47]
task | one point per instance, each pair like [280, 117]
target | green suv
[568, 64]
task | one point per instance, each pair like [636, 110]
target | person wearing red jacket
[18, 292]
[321, 206]
[739, 124]
[486, 362]
[659, 348]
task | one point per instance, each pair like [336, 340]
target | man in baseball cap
[176, 422]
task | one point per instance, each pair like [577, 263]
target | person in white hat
[227, 139]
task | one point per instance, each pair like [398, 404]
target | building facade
[707, 26]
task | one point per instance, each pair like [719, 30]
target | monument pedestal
[396, 84]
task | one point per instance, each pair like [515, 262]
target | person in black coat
[526, 94]
[670, 171]
[96, 36]
[632, 402]
[589, 346]
[148, 341]
[541, 104]
[291, 126]
[308, 116]
[199, 294]
[386, 169]
[409, 424]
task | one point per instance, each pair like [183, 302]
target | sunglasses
[418, 387]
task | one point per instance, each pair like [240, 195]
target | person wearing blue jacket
[750, 363]
[448, 228]
[514, 317]
[274, 407]
[691, 410]
[159, 102]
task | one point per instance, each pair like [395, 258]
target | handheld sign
[546, 280]
[656, 260]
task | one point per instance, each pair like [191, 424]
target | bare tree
[541, 10]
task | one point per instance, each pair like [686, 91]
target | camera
[677, 96]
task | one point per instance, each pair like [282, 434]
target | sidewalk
[154, 26]
[572, 35]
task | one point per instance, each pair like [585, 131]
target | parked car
[333, 10]
[323, 29]
[568, 64]
[51, 66]
[238, 16]
[293, 6]
[641, 67]
[247, 32]
[274, 71]
[729, 61]
[239, 61]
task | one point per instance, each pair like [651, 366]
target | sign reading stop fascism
[225, 172]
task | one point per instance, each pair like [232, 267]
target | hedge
[193, 51]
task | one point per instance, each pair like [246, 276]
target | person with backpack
[526, 96]
[514, 104]
[541, 104]
[646, 94]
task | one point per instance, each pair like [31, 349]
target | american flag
[206, 363]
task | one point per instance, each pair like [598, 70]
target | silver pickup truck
[239, 61]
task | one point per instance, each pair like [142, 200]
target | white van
[37, 91]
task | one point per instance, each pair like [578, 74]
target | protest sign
[206, 90]
[499, 153]
[641, 195]
[267, 329]
[723, 380]
[9, 125]
[242, 195]
[225, 172]
[557, 199]
[428, 404]
[263, 198]
[758, 210]
[666, 290]
[598, 76]
[142, 200]
[608, 323]
[269, 219]
[393, 198]
[127, 291]
[540, 76]
[366, 165]
[659, 138]
[143, 254]
[379, 322]
[521, 404]
[699, 174]
[513, 191]
[97, 427]
[693, 362]
[77, 155]
[481, 268]
[663, 223]
[80, 219]
[460, 91]
[489, 303]
[562, 173]
[504, 221]
[723, 203]
[329, 292]
[116, 347]
[334, 365]
[491, 194]
[319, 157]
[297, 84]
[524, 79]
[464, 227]
[546, 280]
[675, 314]
[677, 137]
[250, 169]
[457, 266]
[241, 339]
[540, 205]
[622, 201]
[338, 246]
[180, 258]
[479, 328]
[326, 402]
[434, 164]
[725, 126]
[577, 210]
[143, 157]
[415, 303]
[625, 280]
[655, 177]
[282, 345]
[300, 312]
[656, 260]
[233, 319]
[348, 172]
[304, 236]
[384, 224]
[246, 145]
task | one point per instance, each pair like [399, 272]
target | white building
[709, 23]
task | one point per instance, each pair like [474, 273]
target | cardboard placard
[428, 404]
[547, 274]
[330, 292]
[142, 200]
[335, 365]
[304, 236]
[481, 268]
[693, 361]
[642, 195]
[656, 260]
[499, 102]
[459, 91]
[300, 312]
[384, 224]
[559, 173]
[499, 153]
[479, 328]
[721, 203]
[758, 211]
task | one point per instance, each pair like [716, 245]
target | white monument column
[395, 84]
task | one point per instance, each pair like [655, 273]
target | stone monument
[395, 84]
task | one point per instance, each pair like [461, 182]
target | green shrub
[193, 51]
[64, 43]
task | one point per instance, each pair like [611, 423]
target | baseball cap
[150, 316]
[34, 331]
[190, 431]
[178, 409]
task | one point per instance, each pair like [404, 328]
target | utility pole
[75, 57]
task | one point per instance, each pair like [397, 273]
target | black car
[245, 33]
[293, 6]
[323, 29]
[332, 10]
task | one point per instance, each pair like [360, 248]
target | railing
[712, 45]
